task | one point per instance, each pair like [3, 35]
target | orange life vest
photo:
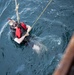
[23, 25]
[18, 32]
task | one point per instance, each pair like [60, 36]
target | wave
[20, 68]
[41, 47]
[5, 7]
[4, 26]
[2, 29]
[53, 38]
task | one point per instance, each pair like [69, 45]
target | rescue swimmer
[19, 31]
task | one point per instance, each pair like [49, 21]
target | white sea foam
[9, 34]
[38, 47]
[20, 68]
[53, 38]
[2, 29]
[5, 7]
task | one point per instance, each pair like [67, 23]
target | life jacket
[23, 25]
[18, 32]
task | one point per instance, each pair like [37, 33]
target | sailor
[19, 31]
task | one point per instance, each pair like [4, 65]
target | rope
[16, 9]
[41, 13]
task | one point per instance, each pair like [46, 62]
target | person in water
[19, 31]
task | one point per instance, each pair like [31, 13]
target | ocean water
[51, 33]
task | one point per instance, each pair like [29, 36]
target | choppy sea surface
[52, 33]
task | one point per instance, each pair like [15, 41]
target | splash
[51, 40]
[38, 47]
